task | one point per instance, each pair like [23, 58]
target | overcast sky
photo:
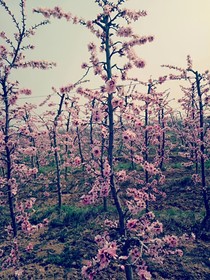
[180, 27]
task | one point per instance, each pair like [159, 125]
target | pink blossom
[124, 31]
[106, 254]
[30, 247]
[150, 168]
[91, 47]
[13, 185]
[156, 227]
[111, 85]
[138, 159]
[104, 131]
[19, 272]
[189, 62]
[37, 64]
[97, 69]
[45, 222]
[56, 12]
[179, 252]
[88, 271]
[84, 65]
[129, 135]
[196, 178]
[105, 189]
[171, 240]
[139, 63]
[162, 79]
[150, 38]
[13, 99]
[77, 161]
[135, 254]
[143, 274]
[97, 115]
[132, 224]
[138, 123]
[46, 194]
[3, 35]
[25, 91]
[99, 240]
[106, 169]
[32, 171]
[29, 203]
[121, 175]
[66, 89]
[3, 51]
[107, 9]
[117, 102]
[87, 199]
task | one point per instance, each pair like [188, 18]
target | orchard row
[120, 137]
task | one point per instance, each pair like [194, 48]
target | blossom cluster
[44, 65]
[132, 15]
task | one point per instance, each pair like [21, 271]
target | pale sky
[180, 27]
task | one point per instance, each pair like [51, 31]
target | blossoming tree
[195, 128]
[13, 171]
[135, 232]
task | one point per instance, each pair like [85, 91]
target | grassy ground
[61, 249]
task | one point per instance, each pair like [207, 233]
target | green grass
[39, 215]
[207, 164]
[47, 168]
[127, 165]
[69, 215]
[179, 221]
[123, 166]
[4, 217]
[72, 215]
[176, 165]
[182, 181]
[68, 258]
